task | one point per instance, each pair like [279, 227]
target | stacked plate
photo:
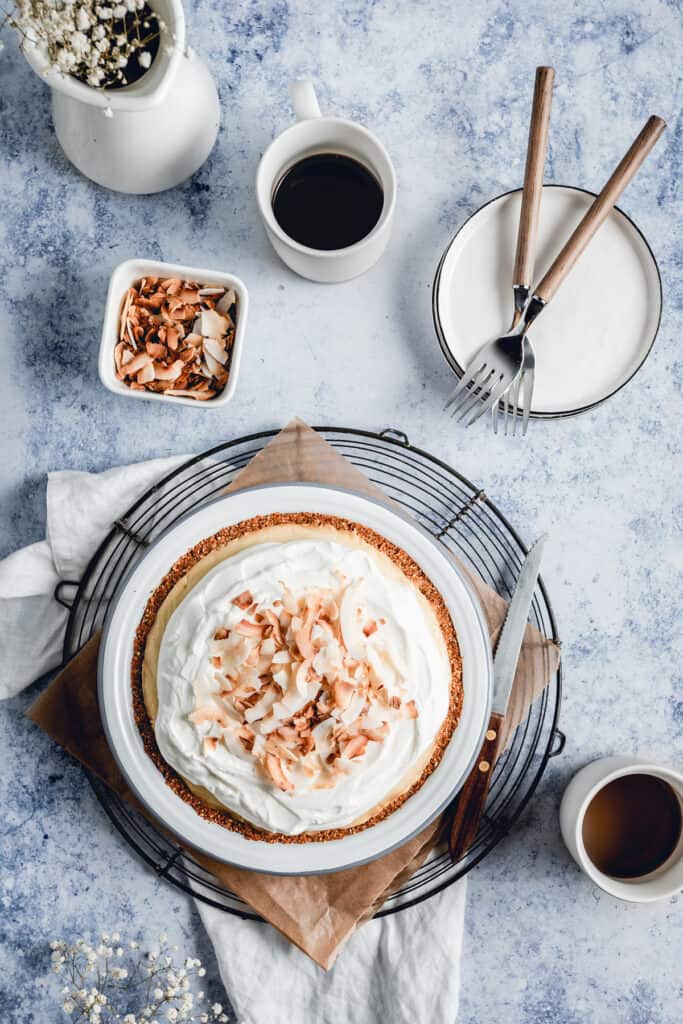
[599, 328]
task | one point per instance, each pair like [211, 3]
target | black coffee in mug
[632, 825]
[328, 201]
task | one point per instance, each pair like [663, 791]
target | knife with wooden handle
[472, 797]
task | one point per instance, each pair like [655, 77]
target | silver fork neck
[521, 294]
[533, 309]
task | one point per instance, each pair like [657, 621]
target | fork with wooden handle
[497, 365]
[527, 229]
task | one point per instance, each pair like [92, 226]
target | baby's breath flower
[93, 41]
[170, 994]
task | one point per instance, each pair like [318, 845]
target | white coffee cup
[313, 133]
[667, 879]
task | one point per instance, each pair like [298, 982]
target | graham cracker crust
[179, 569]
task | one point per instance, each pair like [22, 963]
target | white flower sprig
[108, 982]
[95, 41]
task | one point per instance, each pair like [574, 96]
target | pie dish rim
[414, 815]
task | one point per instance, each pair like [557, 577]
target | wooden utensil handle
[472, 797]
[600, 208]
[533, 178]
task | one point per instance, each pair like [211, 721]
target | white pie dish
[125, 275]
[115, 696]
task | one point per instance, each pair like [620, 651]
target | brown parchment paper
[317, 913]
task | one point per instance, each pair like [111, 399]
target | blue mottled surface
[447, 87]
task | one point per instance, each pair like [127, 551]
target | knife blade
[472, 797]
[511, 636]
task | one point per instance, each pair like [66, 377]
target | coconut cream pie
[296, 677]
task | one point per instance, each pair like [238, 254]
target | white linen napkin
[404, 968]
[81, 509]
[401, 969]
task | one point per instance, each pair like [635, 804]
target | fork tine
[528, 395]
[497, 388]
[466, 379]
[485, 399]
[460, 398]
[495, 409]
[481, 387]
[477, 393]
[466, 395]
[515, 401]
[504, 403]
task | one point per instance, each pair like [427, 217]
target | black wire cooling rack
[443, 501]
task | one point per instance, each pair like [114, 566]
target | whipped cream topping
[299, 683]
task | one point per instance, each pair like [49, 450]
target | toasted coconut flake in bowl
[176, 337]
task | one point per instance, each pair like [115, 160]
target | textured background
[447, 87]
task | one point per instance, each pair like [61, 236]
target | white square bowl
[126, 274]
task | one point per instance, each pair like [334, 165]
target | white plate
[178, 816]
[598, 329]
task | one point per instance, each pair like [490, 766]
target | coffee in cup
[622, 822]
[328, 201]
[632, 825]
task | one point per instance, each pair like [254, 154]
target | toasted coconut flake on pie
[246, 628]
[275, 769]
[209, 713]
[293, 695]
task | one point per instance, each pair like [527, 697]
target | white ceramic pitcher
[162, 127]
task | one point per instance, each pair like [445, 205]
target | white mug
[313, 133]
[667, 879]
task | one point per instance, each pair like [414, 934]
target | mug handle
[304, 101]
